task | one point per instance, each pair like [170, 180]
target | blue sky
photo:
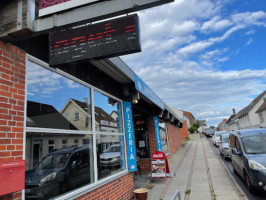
[204, 56]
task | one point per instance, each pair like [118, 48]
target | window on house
[76, 116]
[67, 116]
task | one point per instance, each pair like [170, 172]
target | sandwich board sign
[159, 166]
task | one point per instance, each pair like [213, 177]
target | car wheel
[63, 187]
[225, 157]
[234, 170]
[248, 184]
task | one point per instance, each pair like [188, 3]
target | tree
[193, 128]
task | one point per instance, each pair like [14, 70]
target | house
[230, 123]
[221, 126]
[186, 123]
[190, 117]
[248, 117]
[262, 113]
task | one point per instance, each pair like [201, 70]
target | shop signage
[159, 165]
[47, 7]
[131, 150]
[157, 133]
[147, 92]
[102, 40]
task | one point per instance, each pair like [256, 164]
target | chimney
[234, 111]
[85, 100]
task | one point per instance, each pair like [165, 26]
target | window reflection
[164, 138]
[107, 114]
[55, 101]
[110, 149]
[50, 173]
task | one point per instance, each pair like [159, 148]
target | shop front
[78, 130]
[68, 125]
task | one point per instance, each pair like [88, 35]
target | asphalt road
[257, 195]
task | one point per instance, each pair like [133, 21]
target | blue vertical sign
[157, 133]
[131, 150]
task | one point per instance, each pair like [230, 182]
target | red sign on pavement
[159, 166]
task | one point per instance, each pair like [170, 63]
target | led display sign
[102, 40]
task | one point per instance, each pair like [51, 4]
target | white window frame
[97, 183]
[76, 117]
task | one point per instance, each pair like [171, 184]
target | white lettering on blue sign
[131, 151]
[157, 133]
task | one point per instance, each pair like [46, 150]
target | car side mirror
[235, 152]
[73, 164]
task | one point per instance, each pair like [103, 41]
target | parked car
[224, 145]
[59, 171]
[209, 132]
[216, 137]
[111, 156]
[248, 156]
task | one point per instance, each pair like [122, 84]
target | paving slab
[199, 175]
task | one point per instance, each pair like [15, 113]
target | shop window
[61, 170]
[53, 98]
[59, 148]
[164, 138]
[110, 150]
[107, 114]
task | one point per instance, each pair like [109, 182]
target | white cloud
[249, 42]
[183, 47]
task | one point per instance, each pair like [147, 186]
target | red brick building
[27, 128]
[90, 148]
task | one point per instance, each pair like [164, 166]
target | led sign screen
[106, 39]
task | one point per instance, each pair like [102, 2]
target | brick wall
[12, 96]
[119, 189]
[184, 130]
[174, 137]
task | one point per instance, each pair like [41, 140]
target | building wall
[175, 140]
[121, 188]
[184, 130]
[12, 98]
[254, 117]
[263, 124]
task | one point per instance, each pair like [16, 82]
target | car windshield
[112, 149]
[53, 161]
[218, 134]
[254, 144]
[226, 139]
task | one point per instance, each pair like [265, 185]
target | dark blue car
[60, 171]
[248, 156]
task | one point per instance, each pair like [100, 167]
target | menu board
[102, 40]
[158, 168]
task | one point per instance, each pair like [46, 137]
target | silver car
[216, 137]
[224, 146]
[111, 157]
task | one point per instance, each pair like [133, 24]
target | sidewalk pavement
[198, 173]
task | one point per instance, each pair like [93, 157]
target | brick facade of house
[12, 101]
[121, 188]
[174, 139]
[12, 107]
[184, 131]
